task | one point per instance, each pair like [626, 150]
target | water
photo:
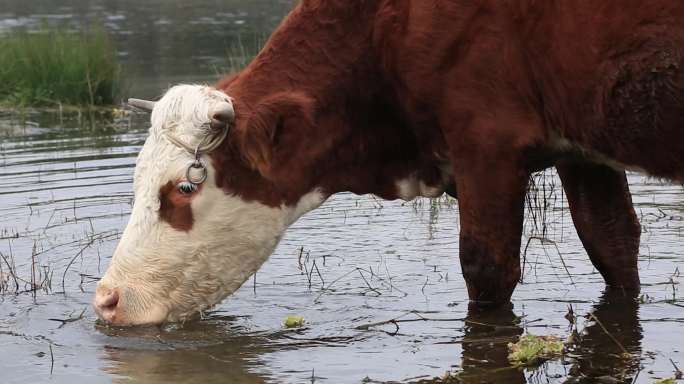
[66, 198]
[160, 42]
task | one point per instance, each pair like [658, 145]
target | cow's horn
[145, 105]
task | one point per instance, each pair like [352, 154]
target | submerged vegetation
[50, 68]
[293, 321]
[532, 350]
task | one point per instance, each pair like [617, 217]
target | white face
[185, 249]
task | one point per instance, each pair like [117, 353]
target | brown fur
[353, 95]
[175, 207]
[601, 207]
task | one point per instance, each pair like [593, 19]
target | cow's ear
[276, 131]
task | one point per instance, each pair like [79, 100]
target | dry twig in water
[624, 351]
[69, 319]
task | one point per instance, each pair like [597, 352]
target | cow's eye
[186, 188]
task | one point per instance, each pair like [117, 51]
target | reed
[240, 53]
[54, 67]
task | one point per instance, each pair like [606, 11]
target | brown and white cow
[401, 98]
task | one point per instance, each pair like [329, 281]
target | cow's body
[494, 89]
[401, 98]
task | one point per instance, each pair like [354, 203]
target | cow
[405, 98]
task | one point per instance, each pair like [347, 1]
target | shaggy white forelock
[184, 109]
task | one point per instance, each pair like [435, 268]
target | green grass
[56, 67]
[241, 53]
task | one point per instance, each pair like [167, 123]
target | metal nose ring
[197, 164]
[194, 178]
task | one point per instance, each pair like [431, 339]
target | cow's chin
[134, 316]
[149, 290]
[179, 298]
[136, 307]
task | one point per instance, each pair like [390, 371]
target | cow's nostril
[111, 299]
[106, 302]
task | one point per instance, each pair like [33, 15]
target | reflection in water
[485, 350]
[211, 351]
[598, 354]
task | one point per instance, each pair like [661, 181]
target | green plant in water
[55, 67]
[532, 350]
[293, 321]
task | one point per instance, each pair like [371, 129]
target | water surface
[357, 260]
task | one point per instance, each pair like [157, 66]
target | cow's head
[188, 245]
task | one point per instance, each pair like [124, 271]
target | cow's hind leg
[601, 208]
[491, 205]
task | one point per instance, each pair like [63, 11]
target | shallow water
[356, 260]
[67, 197]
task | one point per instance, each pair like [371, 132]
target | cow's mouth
[120, 307]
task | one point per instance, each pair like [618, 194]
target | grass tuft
[241, 53]
[56, 67]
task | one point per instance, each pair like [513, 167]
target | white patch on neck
[562, 144]
[308, 202]
[412, 187]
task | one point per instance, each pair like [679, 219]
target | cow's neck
[326, 52]
[322, 48]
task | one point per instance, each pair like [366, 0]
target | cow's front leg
[491, 193]
[601, 208]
